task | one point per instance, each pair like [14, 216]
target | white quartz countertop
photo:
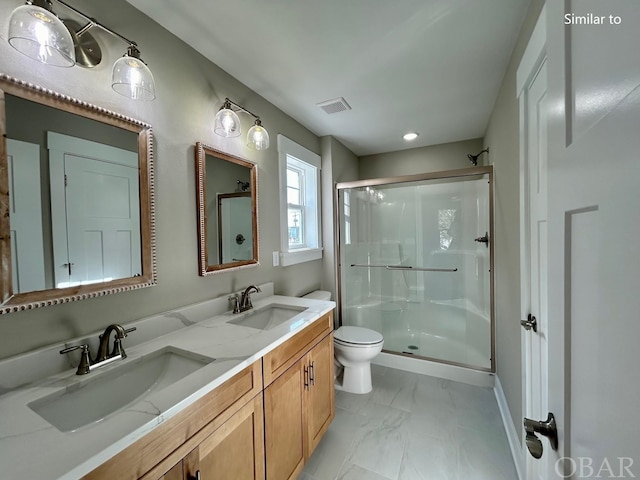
[32, 448]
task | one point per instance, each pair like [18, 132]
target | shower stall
[415, 264]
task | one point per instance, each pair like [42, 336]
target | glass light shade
[39, 34]
[227, 123]
[133, 79]
[258, 137]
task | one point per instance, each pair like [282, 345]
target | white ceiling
[429, 66]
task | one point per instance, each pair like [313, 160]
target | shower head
[474, 158]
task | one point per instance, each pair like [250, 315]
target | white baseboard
[435, 369]
[509, 426]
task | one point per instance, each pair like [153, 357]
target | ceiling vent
[334, 106]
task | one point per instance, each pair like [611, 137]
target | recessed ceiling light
[410, 136]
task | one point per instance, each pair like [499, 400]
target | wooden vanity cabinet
[234, 451]
[264, 422]
[319, 407]
[298, 398]
[176, 473]
[158, 454]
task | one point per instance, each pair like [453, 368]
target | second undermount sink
[90, 400]
[269, 316]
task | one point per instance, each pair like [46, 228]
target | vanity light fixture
[227, 124]
[37, 32]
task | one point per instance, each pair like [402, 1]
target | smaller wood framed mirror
[226, 202]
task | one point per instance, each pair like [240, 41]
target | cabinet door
[175, 473]
[233, 451]
[319, 406]
[283, 424]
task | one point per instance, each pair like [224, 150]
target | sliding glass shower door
[415, 264]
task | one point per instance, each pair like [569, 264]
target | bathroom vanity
[232, 401]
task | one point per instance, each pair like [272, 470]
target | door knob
[547, 428]
[530, 323]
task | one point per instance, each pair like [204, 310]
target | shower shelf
[405, 267]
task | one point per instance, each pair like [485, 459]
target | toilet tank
[318, 295]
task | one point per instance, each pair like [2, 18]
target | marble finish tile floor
[414, 427]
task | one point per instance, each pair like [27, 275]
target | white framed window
[299, 203]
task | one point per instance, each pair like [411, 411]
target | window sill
[300, 256]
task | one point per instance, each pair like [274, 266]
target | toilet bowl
[354, 348]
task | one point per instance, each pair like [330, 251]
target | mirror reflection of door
[25, 215]
[94, 211]
[235, 227]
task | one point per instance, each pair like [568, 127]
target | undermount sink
[90, 400]
[269, 316]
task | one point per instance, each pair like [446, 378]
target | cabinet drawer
[281, 358]
[167, 444]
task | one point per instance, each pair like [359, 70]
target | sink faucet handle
[85, 361]
[118, 349]
[71, 349]
[235, 301]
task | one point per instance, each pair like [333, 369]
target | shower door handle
[530, 323]
[484, 239]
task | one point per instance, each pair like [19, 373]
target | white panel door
[594, 227]
[534, 254]
[96, 215]
[25, 214]
[234, 221]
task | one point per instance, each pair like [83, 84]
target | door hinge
[65, 180]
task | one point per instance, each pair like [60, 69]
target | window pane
[446, 224]
[295, 227]
[293, 196]
[293, 178]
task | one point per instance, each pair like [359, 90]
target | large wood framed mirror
[226, 198]
[76, 199]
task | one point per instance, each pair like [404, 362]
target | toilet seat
[357, 337]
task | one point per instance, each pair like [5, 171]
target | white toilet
[354, 348]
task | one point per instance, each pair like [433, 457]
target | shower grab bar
[405, 267]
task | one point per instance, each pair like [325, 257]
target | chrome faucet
[244, 303]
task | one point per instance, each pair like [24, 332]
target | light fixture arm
[239, 108]
[91, 22]
[46, 4]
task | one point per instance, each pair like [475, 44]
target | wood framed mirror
[226, 201]
[76, 199]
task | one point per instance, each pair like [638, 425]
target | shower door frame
[441, 175]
